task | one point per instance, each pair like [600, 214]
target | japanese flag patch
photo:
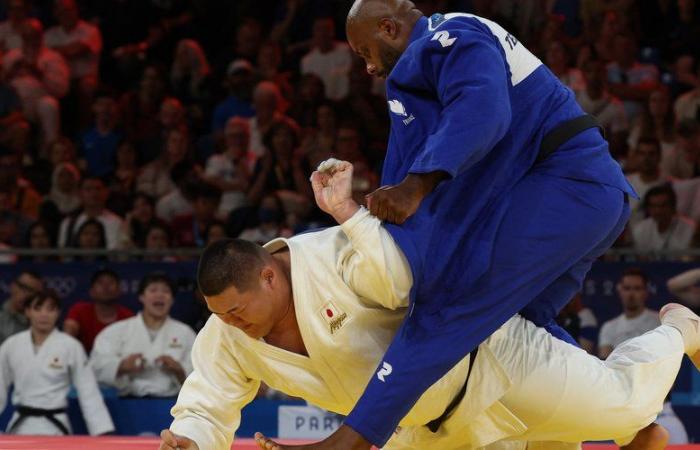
[334, 317]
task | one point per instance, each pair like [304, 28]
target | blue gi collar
[418, 29]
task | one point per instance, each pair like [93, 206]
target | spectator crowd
[151, 125]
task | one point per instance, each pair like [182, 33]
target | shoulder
[124, 313]
[68, 341]
[14, 340]
[181, 328]
[611, 324]
[81, 308]
[117, 328]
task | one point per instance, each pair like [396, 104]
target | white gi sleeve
[376, 269]
[92, 404]
[188, 336]
[5, 374]
[208, 409]
[105, 359]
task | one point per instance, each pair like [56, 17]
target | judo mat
[151, 443]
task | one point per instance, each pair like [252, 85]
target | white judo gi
[130, 336]
[43, 378]
[350, 287]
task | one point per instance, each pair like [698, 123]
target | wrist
[345, 210]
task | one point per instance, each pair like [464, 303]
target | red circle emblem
[329, 313]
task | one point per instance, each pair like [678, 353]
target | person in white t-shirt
[93, 193]
[78, 41]
[646, 158]
[331, 60]
[635, 320]
[230, 170]
[664, 229]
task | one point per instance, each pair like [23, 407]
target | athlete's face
[380, 58]
[633, 292]
[257, 310]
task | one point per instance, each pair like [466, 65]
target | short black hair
[635, 272]
[31, 273]
[229, 262]
[40, 297]
[156, 277]
[103, 272]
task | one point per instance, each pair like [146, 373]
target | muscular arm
[208, 408]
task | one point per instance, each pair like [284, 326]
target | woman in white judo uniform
[312, 315]
[148, 354]
[42, 363]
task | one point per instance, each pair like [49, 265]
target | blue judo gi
[507, 233]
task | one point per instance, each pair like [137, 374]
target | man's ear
[388, 29]
[267, 275]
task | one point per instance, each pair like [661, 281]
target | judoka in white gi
[312, 315]
[42, 363]
[148, 354]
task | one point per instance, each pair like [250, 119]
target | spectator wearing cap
[12, 318]
[40, 76]
[239, 85]
[86, 319]
[148, 354]
[663, 229]
[93, 194]
[329, 59]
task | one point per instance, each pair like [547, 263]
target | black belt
[49, 414]
[565, 131]
[434, 425]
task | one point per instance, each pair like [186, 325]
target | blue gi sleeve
[471, 80]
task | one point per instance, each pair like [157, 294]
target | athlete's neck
[39, 337]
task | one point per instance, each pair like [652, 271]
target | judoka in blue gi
[504, 190]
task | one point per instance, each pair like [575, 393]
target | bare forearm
[426, 182]
[684, 280]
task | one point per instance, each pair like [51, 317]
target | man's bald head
[378, 31]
